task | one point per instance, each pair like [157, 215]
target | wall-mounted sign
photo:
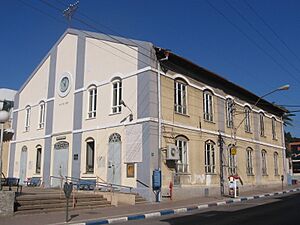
[75, 157]
[61, 145]
[61, 138]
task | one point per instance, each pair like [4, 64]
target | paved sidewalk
[125, 212]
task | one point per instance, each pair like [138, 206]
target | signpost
[68, 187]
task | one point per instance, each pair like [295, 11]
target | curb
[180, 210]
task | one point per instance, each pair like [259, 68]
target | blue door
[23, 165]
[114, 159]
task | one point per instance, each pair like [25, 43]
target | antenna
[69, 12]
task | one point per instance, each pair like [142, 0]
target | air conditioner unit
[172, 152]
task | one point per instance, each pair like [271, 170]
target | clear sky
[254, 43]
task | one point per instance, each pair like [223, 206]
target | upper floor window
[27, 118]
[92, 102]
[210, 164]
[180, 96]
[42, 115]
[229, 112]
[90, 155]
[247, 119]
[182, 164]
[274, 128]
[208, 105]
[117, 96]
[262, 124]
[38, 159]
[232, 167]
[276, 164]
[249, 158]
[264, 162]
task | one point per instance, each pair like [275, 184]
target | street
[276, 210]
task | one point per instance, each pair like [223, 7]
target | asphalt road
[278, 210]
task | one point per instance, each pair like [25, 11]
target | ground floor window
[90, 155]
[182, 164]
[38, 159]
[210, 157]
[232, 167]
[249, 158]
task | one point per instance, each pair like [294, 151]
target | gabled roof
[84, 34]
[181, 65]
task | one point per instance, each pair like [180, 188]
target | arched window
[208, 105]
[115, 137]
[182, 164]
[180, 94]
[210, 160]
[38, 159]
[92, 101]
[274, 128]
[247, 119]
[262, 124]
[232, 167]
[42, 115]
[264, 162]
[276, 164]
[90, 155]
[249, 161]
[27, 117]
[116, 96]
[229, 112]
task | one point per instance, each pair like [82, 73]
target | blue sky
[226, 37]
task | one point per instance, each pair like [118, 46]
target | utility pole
[69, 12]
[221, 142]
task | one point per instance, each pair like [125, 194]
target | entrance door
[23, 165]
[60, 162]
[114, 159]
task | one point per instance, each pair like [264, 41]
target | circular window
[64, 85]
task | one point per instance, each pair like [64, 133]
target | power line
[251, 40]
[271, 29]
[262, 36]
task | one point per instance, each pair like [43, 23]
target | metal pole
[67, 210]
[221, 165]
[1, 147]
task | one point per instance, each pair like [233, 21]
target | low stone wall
[7, 200]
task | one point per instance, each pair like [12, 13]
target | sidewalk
[125, 212]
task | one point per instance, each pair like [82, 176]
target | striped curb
[180, 210]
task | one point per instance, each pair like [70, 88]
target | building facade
[108, 108]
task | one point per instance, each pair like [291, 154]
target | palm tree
[287, 119]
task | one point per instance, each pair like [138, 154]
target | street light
[130, 115]
[4, 116]
[5, 107]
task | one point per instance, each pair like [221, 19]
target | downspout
[159, 115]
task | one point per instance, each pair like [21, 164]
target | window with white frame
[117, 96]
[38, 159]
[92, 102]
[232, 167]
[274, 128]
[42, 115]
[27, 117]
[262, 124]
[229, 112]
[180, 96]
[264, 162]
[276, 172]
[208, 106]
[90, 155]
[249, 161]
[247, 119]
[182, 164]
[210, 164]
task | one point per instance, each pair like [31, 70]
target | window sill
[91, 118]
[265, 175]
[40, 128]
[248, 132]
[274, 139]
[211, 174]
[208, 121]
[116, 113]
[183, 173]
[182, 114]
[263, 136]
[250, 175]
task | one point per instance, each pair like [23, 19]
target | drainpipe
[159, 116]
